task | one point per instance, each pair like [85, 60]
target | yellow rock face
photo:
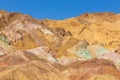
[26, 43]
[98, 27]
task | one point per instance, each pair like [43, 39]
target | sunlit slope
[95, 28]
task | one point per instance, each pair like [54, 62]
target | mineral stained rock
[86, 47]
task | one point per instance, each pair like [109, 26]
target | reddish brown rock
[86, 70]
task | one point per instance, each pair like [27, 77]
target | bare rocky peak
[9, 18]
[100, 14]
[99, 17]
[15, 26]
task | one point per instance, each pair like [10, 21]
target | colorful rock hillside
[86, 47]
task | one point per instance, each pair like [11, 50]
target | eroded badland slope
[86, 47]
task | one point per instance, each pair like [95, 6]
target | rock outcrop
[102, 28]
[86, 47]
